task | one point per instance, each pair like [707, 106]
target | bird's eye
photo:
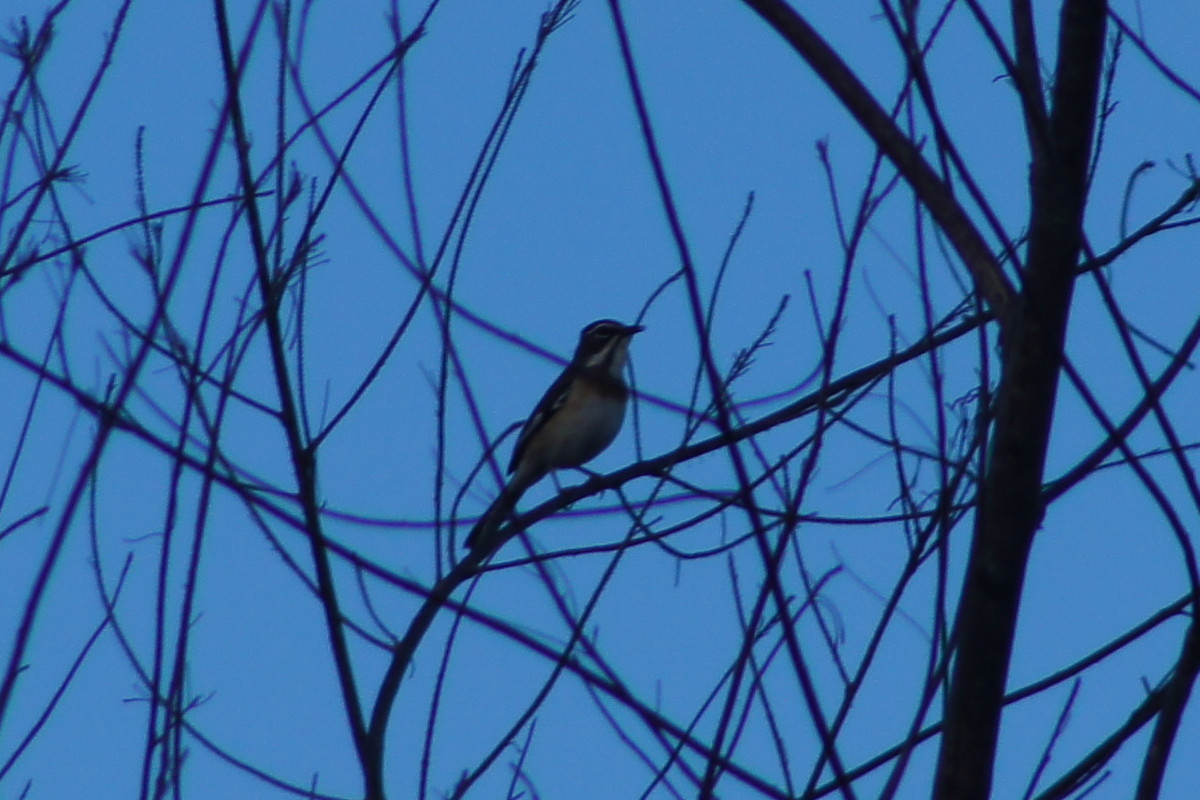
[601, 331]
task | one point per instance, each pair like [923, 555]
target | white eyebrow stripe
[612, 356]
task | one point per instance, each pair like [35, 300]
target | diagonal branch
[970, 245]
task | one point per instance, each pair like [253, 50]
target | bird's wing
[553, 400]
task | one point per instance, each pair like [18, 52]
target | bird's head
[605, 344]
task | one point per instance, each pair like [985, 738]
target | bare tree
[247, 429]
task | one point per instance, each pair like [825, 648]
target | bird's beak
[632, 329]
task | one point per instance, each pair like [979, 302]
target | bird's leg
[592, 477]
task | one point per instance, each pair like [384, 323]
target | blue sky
[569, 229]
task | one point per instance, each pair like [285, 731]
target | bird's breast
[596, 419]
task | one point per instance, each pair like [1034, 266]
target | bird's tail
[481, 536]
[481, 539]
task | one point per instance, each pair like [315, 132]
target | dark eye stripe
[601, 335]
[595, 345]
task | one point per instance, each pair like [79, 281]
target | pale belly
[606, 415]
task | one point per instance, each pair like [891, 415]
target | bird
[577, 419]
